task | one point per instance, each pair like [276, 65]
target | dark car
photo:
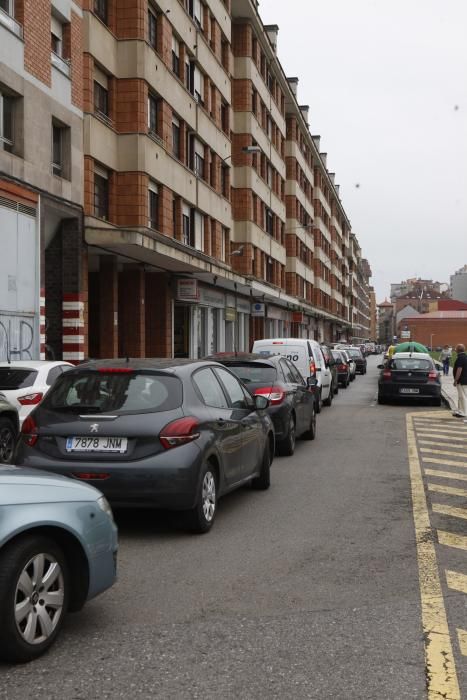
[342, 367]
[9, 429]
[291, 402]
[330, 362]
[409, 376]
[358, 357]
[172, 434]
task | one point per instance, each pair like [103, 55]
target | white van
[309, 360]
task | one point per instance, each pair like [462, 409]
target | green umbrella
[410, 346]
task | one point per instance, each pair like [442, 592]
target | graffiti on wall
[17, 337]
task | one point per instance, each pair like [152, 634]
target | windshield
[102, 392]
[411, 363]
[14, 378]
[354, 352]
[254, 373]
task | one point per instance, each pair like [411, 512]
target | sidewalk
[448, 391]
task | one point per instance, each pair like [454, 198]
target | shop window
[101, 193]
[153, 206]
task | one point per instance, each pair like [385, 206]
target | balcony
[60, 63]
[10, 23]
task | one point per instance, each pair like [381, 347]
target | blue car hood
[20, 485]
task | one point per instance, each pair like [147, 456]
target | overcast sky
[386, 82]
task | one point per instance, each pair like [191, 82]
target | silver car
[58, 549]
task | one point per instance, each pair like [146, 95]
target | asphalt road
[308, 590]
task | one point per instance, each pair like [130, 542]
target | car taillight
[387, 374]
[179, 432]
[312, 368]
[342, 368]
[274, 393]
[432, 375]
[31, 399]
[29, 431]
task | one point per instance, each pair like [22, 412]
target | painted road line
[439, 660]
[442, 444]
[445, 475]
[440, 452]
[449, 490]
[446, 434]
[454, 512]
[451, 540]
[462, 639]
[445, 462]
[456, 581]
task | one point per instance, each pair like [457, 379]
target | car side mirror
[311, 382]
[261, 402]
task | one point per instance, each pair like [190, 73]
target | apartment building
[43, 278]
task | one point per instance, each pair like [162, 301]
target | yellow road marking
[443, 444]
[445, 462]
[462, 639]
[439, 659]
[446, 434]
[450, 510]
[449, 490]
[456, 581]
[446, 475]
[451, 540]
[440, 452]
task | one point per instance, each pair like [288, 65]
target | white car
[24, 383]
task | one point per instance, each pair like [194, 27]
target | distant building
[438, 328]
[385, 322]
[459, 284]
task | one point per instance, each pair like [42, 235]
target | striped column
[42, 324]
[73, 327]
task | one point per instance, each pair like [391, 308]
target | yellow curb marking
[445, 434]
[443, 444]
[440, 452]
[462, 639]
[451, 540]
[445, 462]
[446, 475]
[450, 510]
[439, 659]
[450, 490]
[456, 581]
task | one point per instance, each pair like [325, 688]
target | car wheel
[201, 517]
[263, 481]
[319, 403]
[336, 390]
[34, 585]
[311, 432]
[328, 401]
[7, 440]
[286, 447]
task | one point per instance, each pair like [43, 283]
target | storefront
[199, 327]
[277, 323]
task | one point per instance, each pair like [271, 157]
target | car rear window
[354, 352]
[411, 363]
[115, 392]
[254, 373]
[14, 378]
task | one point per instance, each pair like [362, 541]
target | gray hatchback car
[58, 549]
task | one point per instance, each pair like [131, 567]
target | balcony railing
[10, 23]
[60, 63]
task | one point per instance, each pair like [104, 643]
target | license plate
[96, 444]
[409, 391]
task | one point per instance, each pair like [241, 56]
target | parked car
[172, 434]
[291, 402]
[357, 355]
[25, 382]
[9, 430]
[58, 549]
[409, 376]
[351, 362]
[329, 360]
[343, 368]
[308, 358]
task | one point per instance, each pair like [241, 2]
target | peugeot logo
[94, 427]
[409, 374]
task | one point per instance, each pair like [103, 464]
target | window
[57, 150]
[269, 222]
[6, 122]
[56, 36]
[195, 81]
[101, 9]
[153, 205]
[176, 56]
[269, 265]
[176, 137]
[209, 388]
[197, 227]
[225, 181]
[152, 28]
[101, 93]
[7, 6]
[53, 375]
[101, 193]
[198, 157]
[225, 118]
[153, 113]
[194, 10]
[233, 388]
[186, 225]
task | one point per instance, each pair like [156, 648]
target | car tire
[328, 401]
[311, 432]
[29, 625]
[201, 517]
[8, 437]
[336, 390]
[318, 403]
[286, 447]
[263, 481]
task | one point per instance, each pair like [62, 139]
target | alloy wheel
[208, 496]
[7, 444]
[39, 598]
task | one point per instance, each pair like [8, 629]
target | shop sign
[211, 297]
[277, 314]
[187, 290]
[298, 317]
[243, 306]
[405, 334]
[258, 309]
[230, 313]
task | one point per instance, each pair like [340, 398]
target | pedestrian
[460, 381]
[445, 359]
